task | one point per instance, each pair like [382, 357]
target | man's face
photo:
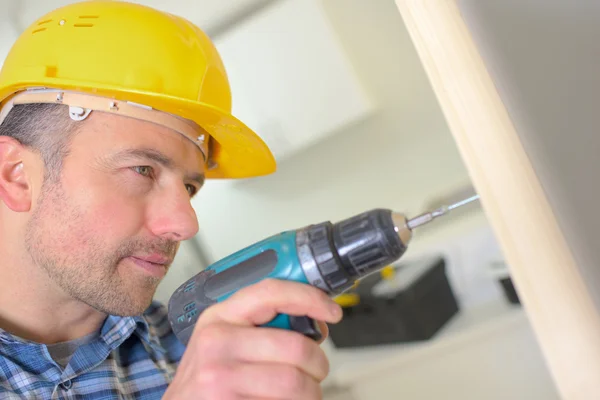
[108, 229]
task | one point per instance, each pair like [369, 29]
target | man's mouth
[153, 264]
[154, 259]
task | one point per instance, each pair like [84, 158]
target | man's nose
[173, 217]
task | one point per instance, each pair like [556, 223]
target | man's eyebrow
[159, 158]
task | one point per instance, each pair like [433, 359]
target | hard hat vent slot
[51, 71]
[38, 30]
[86, 24]
[44, 22]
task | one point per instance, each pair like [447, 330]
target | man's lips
[154, 264]
[154, 259]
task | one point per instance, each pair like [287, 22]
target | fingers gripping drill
[330, 256]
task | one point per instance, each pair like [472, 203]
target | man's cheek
[115, 218]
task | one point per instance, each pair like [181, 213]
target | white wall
[386, 161]
[9, 30]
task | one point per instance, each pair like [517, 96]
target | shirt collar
[116, 330]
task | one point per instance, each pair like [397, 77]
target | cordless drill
[329, 256]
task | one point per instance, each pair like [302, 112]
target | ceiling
[210, 15]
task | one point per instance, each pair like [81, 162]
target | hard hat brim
[236, 150]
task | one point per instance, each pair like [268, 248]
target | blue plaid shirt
[132, 358]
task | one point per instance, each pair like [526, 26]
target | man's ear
[15, 185]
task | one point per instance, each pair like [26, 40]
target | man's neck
[33, 308]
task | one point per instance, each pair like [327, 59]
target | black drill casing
[354, 248]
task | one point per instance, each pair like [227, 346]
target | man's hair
[44, 128]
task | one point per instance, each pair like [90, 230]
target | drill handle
[275, 257]
[190, 300]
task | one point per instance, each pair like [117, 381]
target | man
[112, 116]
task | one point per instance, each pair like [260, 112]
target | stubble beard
[90, 272]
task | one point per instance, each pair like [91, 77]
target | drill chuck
[335, 255]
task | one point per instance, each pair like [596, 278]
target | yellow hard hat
[125, 58]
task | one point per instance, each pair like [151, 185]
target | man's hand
[229, 357]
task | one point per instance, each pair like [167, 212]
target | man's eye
[191, 189]
[143, 170]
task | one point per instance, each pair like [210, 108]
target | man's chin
[122, 304]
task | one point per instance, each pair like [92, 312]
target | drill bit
[430, 216]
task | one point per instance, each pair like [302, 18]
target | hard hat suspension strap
[82, 104]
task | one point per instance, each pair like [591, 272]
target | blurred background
[336, 89]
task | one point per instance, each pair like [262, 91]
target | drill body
[329, 256]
